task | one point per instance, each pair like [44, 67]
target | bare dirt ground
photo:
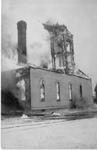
[59, 133]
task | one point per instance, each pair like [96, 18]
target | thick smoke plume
[38, 53]
[8, 46]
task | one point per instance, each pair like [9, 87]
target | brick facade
[50, 79]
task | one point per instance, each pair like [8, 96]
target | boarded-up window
[81, 93]
[70, 91]
[42, 90]
[58, 91]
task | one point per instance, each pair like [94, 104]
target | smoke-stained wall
[15, 89]
[50, 79]
[29, 81]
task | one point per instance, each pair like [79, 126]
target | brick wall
[50, 80]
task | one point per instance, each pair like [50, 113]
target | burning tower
[62, 49]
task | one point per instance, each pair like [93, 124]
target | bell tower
[62, 49]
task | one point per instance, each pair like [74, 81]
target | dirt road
[32, 133]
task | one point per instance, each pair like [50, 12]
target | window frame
[81, 91]
[70, 90]
[58, 91]
[42, 87]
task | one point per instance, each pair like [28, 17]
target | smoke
[38, 49]
[8, 58]
[8, 80]
[8, 45]
[39, 52]
[8, 63]
[51, 21]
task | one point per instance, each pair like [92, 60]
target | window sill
[58, 100]
[42, 100]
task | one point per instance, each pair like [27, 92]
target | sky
[80, 17]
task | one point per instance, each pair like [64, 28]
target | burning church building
[61, 86]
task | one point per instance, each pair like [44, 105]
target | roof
[77, 72]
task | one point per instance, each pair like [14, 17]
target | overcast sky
[80, 16]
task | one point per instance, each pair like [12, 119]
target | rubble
[24, 116]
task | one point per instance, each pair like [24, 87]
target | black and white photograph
[49, 74]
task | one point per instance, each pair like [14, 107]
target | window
[81, 91]
[58, 91]
[21, 86]
[68, 46]
[70, 91]
[42, 90]
[57, 61]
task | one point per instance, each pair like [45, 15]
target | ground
[58, 133]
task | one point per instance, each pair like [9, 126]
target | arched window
[70, 91]
[58, 91]
[21, 86]
[42, 90]
[81, 93]
[68, 46]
